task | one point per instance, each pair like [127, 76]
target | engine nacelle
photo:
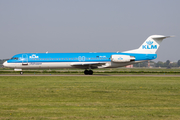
[122, 58]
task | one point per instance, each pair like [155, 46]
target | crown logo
[33, 56]
[149, 42]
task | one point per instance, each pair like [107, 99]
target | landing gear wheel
[21, 73]
[88, 72]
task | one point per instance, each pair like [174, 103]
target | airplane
[87, 61]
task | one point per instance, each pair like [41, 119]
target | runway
[98, 75]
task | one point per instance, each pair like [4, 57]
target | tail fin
[151, 44]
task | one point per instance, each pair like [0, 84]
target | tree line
[167, 64]
[2, 61]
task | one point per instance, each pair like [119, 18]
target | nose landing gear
[21, 73]
[88, 72]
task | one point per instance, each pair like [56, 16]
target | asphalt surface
[98, 75]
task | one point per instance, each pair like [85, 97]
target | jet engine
[122, 58]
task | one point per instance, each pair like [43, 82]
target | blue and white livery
[87, 61]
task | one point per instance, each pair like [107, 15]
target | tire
[21, 73]
[90, 72]
[86, 72]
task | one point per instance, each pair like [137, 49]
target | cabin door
[24, 59]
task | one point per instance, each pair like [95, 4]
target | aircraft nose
[5, 64]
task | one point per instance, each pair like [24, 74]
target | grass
[89, 98]
[105, 69]
[97, 71]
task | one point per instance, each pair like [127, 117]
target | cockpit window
[14, 58]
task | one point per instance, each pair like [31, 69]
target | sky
[62, 26]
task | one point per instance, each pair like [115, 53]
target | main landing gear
[88, 72]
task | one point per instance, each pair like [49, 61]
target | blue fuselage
[74, 57]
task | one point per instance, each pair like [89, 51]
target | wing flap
[86, 65]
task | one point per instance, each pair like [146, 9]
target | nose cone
[5, 64]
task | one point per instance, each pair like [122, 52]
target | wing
[87, 65]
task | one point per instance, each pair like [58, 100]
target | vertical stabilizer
[151, 44]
